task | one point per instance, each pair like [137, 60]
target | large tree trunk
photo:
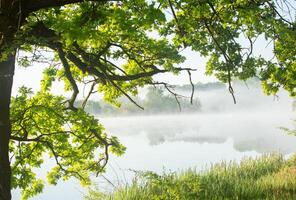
[6, 79]
[11, 18]
[9, 23]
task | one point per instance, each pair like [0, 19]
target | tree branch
[69, 76]
[227, 59]
[192, 87]
[35, 5]
[88, 95]
[125, 94]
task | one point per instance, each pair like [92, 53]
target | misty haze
[212, 130]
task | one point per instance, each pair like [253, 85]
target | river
[164, 143]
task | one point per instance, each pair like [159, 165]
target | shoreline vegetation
[269, 176]
[156, 101]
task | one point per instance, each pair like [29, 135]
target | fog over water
[221, 131]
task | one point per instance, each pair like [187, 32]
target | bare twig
[126, 95]
[88, 95]
[192, 87]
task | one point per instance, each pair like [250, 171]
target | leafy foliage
[100, 43]
[226, 31]
[42, 125]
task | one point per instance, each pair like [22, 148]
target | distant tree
[157, 101]
[86, 38]
[90, 106]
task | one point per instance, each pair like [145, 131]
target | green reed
[266, 177]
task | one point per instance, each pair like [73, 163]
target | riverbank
[266, 177]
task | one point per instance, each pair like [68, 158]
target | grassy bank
[267, 177]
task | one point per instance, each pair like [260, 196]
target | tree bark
[10, 21]
[6, 79]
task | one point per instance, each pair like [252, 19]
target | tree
[86, 38]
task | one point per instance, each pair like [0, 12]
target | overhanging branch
[69, 76]
[35, 5]
[96, 64]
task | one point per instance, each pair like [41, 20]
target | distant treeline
[156, 101]
[252, 82]
[202, 86]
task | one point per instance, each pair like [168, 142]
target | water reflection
[159, 139]
[258, 132]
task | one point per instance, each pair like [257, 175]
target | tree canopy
[115, 47]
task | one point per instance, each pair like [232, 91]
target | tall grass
[266, 177]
